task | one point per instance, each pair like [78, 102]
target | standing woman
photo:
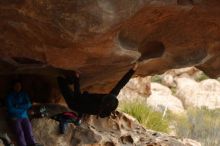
[18, 104]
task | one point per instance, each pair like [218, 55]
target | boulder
[199, 94]
[117, 130]
[168, 80]
[169, 77]
[102, 39]
[162, 99]
[163, 103]
[159, 89]
[114, 131]
[136, 88]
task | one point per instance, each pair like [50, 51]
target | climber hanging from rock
[94, 103]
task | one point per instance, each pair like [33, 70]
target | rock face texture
[121, 130]
[118, 130]
[101, 38]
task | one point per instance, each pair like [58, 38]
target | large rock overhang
[101, 38]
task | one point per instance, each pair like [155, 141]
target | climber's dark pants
[88, 102]
[67, 93]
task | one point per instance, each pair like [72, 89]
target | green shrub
[146, 116]
[156, 78]
[173, 89]
[201, 77]
[202, 125]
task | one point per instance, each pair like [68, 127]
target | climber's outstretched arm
[115, 91]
